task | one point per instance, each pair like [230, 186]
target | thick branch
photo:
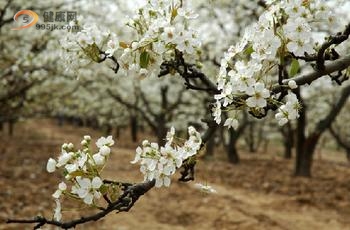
[132, 106]
[333, 40]
[328, 120]
[339, 139]
[337, 65]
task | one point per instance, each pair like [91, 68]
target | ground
[258, 194]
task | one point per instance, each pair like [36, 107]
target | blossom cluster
[161, 28]
[160, 164]
[247, 68]
[83, 47]
[81, 168]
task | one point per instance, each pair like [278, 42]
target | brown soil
[258, 194]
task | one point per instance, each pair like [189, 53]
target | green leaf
[93, 52]
[76, 173]
[294, 68]
[103, 189]
[144, 59]
[249, 50]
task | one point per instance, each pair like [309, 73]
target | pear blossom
[61, 188]
[288, 111]
[292, 84]
[231, 123]
[160, 163]
[170, 135]
[297, 28]
[99, 159]
[64, 158]
[188, 14]
[246, 67]
[107, 141]
[51, 165]
[258, 96]
[163, 180]
[300, 46]
[105, 150]
[112, 45]
[217, 112]
[87, 189]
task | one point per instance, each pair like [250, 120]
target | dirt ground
[258, 194]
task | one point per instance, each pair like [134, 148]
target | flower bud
[51, 165]
[292, 84]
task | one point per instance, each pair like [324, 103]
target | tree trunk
[161, 117]
[303, 158]
[287, 150]
[305, 146]
[161, 133]
[210, 146]
[231, 148]
[108, 130]
[250, 139]
[288, 140]
[60, 120]
[117, 132]
[348, 154]
[11, 125]
[133, 128]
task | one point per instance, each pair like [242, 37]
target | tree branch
[328, 120]
[124, 203]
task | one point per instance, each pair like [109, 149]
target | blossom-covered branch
[82, 169]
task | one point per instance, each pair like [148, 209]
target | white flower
[64, 158]
[105, 150]
[231, 123]
[163, 180]
[70, 146]
[258, 96]
[281, 118]
[99, 159]
[137, 156]
[170, 135]
[168, 35]
[297, 28]
[71, 167]
[292, 84]
[84, 39]
[205, 188]
[105, 141]
[288, 111]
[51, 165]
[112, 45]
[160, 164]
[83, 142]
[187, 14]
[88, 189]
[61, 187]
[217, 112]
[87, 138]
[300, 46]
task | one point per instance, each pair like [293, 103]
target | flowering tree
[275, 58]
